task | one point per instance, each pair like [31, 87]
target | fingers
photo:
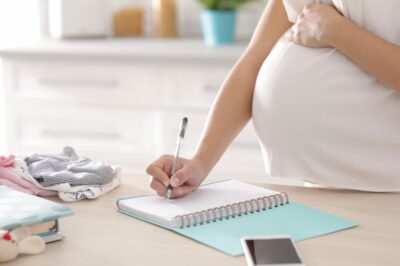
[182, 191]
[158, 187]
[167, 162]
[294, 34]
[159, 169]
[289, 35]
[307, 8]
[180, 177]
[159, 172]
[178, 182]
[177, 192]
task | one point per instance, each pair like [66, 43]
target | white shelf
[175, 49]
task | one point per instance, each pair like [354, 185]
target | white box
[78, 18]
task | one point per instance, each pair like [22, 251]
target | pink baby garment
[7, 161]
[13, 177]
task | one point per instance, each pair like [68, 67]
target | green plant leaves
[223, 4]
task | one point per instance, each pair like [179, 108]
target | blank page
[206, 197]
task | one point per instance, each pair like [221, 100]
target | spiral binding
[233, 210]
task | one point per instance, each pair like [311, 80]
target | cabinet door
[84, 81]
[193, 86]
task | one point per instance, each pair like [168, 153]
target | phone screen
[272, 251]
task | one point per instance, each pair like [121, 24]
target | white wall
[18, 24]
[18, 21]
[26, 20]
[188, 15]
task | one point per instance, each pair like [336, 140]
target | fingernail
[166, 183]
[175, 181]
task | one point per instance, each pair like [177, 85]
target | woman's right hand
[187, 178]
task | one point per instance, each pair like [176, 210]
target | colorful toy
[19, 241]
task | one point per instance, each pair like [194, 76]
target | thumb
[180, 177]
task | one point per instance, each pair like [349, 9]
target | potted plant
[218, 20]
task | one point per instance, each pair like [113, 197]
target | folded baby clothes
[69, 193]
[68, 167]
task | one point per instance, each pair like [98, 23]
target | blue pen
[179, 144]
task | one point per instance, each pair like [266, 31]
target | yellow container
[165, 18]
[128, 21]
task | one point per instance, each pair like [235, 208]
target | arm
[322, 26]
[232, 108]
[230, 112]
[380, 58]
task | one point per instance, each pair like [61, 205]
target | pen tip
[168, 194]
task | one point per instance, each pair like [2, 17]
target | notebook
[219, 214]
[40, 215]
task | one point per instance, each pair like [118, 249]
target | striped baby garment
[68, 167]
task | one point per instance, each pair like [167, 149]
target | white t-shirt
[321, 118]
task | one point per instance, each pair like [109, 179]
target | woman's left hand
[314, 25]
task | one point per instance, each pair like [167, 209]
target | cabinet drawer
[193, 86]
[104, 131]
[85, 81]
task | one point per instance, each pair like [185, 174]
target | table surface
[98, 235]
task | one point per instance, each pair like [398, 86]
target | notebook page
[206, 197]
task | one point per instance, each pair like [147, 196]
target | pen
[179, 143]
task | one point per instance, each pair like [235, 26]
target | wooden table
[98, 235]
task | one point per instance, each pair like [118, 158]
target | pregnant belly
[315, 104]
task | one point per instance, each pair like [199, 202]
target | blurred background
[113, 78]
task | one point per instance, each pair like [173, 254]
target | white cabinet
[120, 101]
[115, 135]
[72, 80]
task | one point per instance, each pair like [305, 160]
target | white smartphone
[277, 250]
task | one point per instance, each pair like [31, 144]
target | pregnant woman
[321, 82]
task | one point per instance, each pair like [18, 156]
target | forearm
[230, 113]
[378, 57]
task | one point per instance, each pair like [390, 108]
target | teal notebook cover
[20, 209]
[294, 219]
